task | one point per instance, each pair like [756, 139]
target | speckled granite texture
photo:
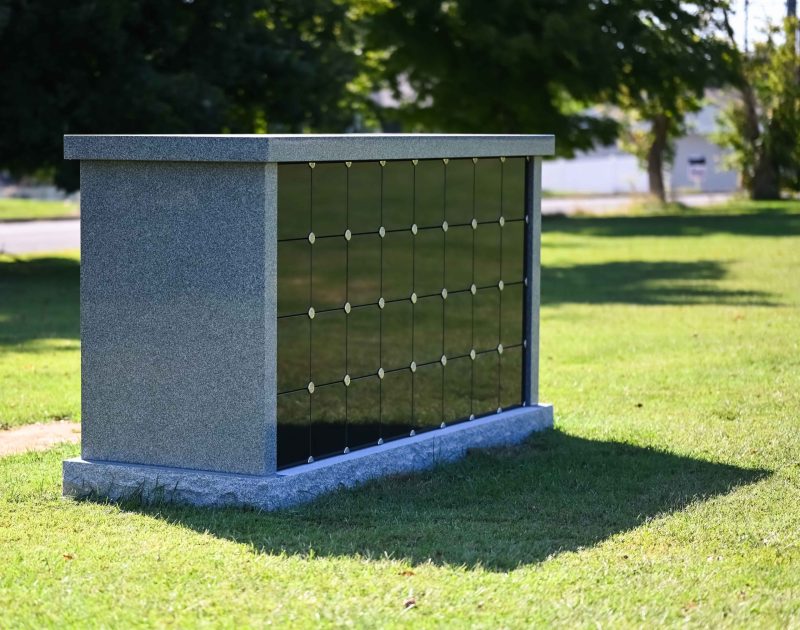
[303, 483]
[302, 148]
[178, 314]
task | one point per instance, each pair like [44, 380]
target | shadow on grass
[495, 509]
[39, 299]
[766, 222]
[644, 282]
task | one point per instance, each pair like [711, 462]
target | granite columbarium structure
[267, 318]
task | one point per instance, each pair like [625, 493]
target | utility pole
[746, 23]
[791, 8]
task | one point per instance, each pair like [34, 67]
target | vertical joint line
[380, 322]
[413, 289]
[347, 299]
[444, 276]
[500, 297]
[472, 298]
[310, 300]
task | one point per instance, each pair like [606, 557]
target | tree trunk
[762, 181]
[655, 157]
[765, 183]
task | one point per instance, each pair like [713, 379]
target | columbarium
[267, 318]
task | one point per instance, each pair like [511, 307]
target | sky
[761, 13]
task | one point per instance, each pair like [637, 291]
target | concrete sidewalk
[22, 237]
[613, 203]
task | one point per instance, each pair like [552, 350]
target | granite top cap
[302, 147]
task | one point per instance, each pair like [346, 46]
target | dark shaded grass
[38, 299]
[766, 221]
[496, 509]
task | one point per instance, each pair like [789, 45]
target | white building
[697, 166]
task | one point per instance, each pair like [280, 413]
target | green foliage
[517, 66]
[166, 66]
[657, 90]
[676, 54]
[501, 67]
[763, 126]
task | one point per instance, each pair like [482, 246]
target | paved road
[39, 236]
[42, 236]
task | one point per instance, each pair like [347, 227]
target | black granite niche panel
[400, 299]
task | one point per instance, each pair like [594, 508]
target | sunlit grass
[30, 209]
[668, 495]
[39, 344]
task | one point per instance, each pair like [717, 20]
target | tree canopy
[686, 55]
[519, 66]
[762, 127]
[209, 66]
[166, 66]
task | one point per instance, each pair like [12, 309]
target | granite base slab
[301, 484]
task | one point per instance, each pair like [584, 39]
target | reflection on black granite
[429, 191]
[363, 409]
[328, 198]
[328, 274]
[511, 376]
[487, 254]
[294, 352]
[428, 340]
[400, 293]
[294, 201]
[328, 347]
[511, 315]
[294, 270]
[488, 189]
[363, 329]
[514, 188]
[328, 429]
[364, 269]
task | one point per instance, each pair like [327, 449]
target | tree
[675, 57]
[763, 126]
[507, 66]
[519, 66]
[166, 66]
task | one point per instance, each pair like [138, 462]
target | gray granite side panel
[303, 483]
[302, 147]
[174, 316]
[533, 274]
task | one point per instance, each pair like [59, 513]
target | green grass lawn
[39, 339]
[31, 209]
[669, 492]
